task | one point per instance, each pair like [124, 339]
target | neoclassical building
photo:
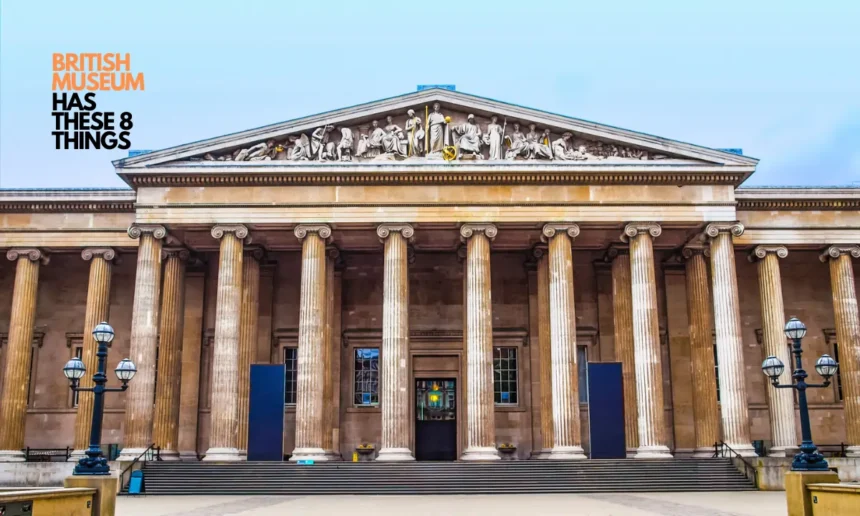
[435, 257]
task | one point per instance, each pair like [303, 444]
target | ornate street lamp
[94, 463]
[808, 459]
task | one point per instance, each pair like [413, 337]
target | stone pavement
[751, 503]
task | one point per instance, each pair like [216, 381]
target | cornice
[798, 204]
[67, 201]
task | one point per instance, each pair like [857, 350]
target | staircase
[506, 477]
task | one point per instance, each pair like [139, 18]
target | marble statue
[493, 138]
[436, 123]
[581, 154]
[517, 145]
[469, 141]
[560, 150]
[301, 150]
[344, 146]
[414, 134]
[536, 148]
[394, 142]
[321, 146]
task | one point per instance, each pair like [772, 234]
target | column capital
[539, 251]
[713, 229]
[405, 230]
[468, 230]
[175, 252]
[239, 230]
[256, 252]
[760, 251]
[461, 253]
[108, 253]
[691, 250]
[634, 229]
[835, 251]
[549, 230]
[31, 253]
[157, 231]
[322, 230]
[615, 250]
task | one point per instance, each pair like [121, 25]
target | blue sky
[778, 78]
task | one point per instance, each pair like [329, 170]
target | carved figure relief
[436, 136]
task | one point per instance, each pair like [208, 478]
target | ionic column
[16, 378]
[165, 426]
[646, 341]
[730, 353]
[705, 413]
[223, 436]
[622, 319]
[310, 405]
[847, 336]
[567, 441]
[248, 323]
[480, 416]
[192, 341]
[780, 401]
[544, 352]
[395, 397]
[98, 310]
[139, 398]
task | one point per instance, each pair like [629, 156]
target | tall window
[838, 372]
[291, 363]
[582, 371]
[366, 377]
[79, 352]
[505, 387]
[717, 371]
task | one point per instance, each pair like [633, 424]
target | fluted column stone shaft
[622, 318]
[847, 320]
[330, 409]
[394, 397]
[646, 341]
[139, 398]
[16, 377]
[165, 427]
[544, 352]
[480, 416]
[310, 405]
[705, 413]
[98, 310]
[567, 440]
[248, 323]
[733, 394]
[223, 436]
[780, 401]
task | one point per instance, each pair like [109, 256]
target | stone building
[484, 258]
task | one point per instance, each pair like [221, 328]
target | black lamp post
[808, 459]
[94, 462]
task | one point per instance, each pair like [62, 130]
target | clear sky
[778, 78]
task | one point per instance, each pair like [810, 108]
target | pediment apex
[629, 146]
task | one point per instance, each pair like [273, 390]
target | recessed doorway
[436, 419]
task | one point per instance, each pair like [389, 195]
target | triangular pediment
[461, 129]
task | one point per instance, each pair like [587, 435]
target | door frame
[434, 374]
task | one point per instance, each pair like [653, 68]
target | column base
[395, 455]
[169, 455]
[481, 453]
[543, 454]
[704, 452]
[779, 451]
[567, 453]
[129, 454]
[631, 453]
[188, 456]
[333, 455]
[76, 455]
[653, 452]
[11, 456]
[744, 450]
[852, 451]
[314, 454]
[222, 455]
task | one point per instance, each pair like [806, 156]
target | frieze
[436, 136]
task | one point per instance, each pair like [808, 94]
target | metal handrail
[154, 454]
[720, 451]
[841, 453]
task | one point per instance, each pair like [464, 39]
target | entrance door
[436, 419]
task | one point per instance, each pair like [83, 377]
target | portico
[490, 279]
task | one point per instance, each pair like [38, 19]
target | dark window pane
[291, 376]
[505, 375]
[366, 383]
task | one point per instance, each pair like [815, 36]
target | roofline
[433, 94]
